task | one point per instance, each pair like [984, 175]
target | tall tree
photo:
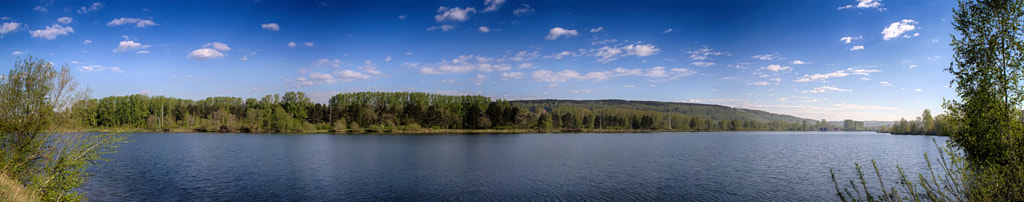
[987, 71]
[35, 99]
[987, 67]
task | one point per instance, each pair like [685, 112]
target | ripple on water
[739, 166]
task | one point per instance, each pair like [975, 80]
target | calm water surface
[722, 166]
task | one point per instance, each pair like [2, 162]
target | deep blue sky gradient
[352, 41]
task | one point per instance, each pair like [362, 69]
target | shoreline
[437, 131]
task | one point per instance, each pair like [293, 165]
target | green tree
[986, 122]
[987, 72]
[35, 98]
[545, 122]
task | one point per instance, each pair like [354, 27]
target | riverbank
[11, 190]
[398, 131]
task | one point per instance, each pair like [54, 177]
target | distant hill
[868, 124]
[714, 112]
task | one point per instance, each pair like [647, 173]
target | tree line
[412, 111]
[926, 124]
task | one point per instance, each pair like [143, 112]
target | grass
[11, 190]
[951, 183]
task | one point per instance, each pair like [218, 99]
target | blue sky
[837, 59]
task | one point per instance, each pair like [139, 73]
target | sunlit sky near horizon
[836, 59]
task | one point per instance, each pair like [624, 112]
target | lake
[715, 166]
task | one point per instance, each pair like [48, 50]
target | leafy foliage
[33, 150]
[928, 125]
[985, 125]
[388, 111]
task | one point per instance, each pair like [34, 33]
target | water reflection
[739, 166]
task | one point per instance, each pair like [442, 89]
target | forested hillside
[406, 111]
[714, 112]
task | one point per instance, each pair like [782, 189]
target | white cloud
[467, 63]
[52, 32]
[564, 54]
[369, 68]
[863, 72]
[511, 75]
[868, 3]
[884, 83]
[759, 83]
[824, 89]
[97, 68]
[523, 10]
[522, 56]
[659, 74]
[244, 58]
[849, 39]
[39, 8]
[896, 29]
[309, 44]
[772, 56]
[387, 59]
[87, 42]
[218, 45]
[776, 68]
[607, 54]
[917, 90]
[628, 86]
[348, 75]
[402, 17]
[478, 79]
[703, 64]
[142, 52]
[484, 29]
[798, 62]
[443, 28]
[456, 14]
[595, 30]
[656, 74]
[667, 31]
[9, 27]
[741, 65]
[65, 20]
[317, 78]
[140, 23]
[17, 52]
[580, 91]
[559, 32]
[129, 45]
[492, 5]
[292, 44]
[566, 75]
[92, 7]
[641, 50]
[704, 53]
[325, 62]
[836, 74]
[525, 65]
[205, 54]
[863, 4]
[271, 26]
[856, 48]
